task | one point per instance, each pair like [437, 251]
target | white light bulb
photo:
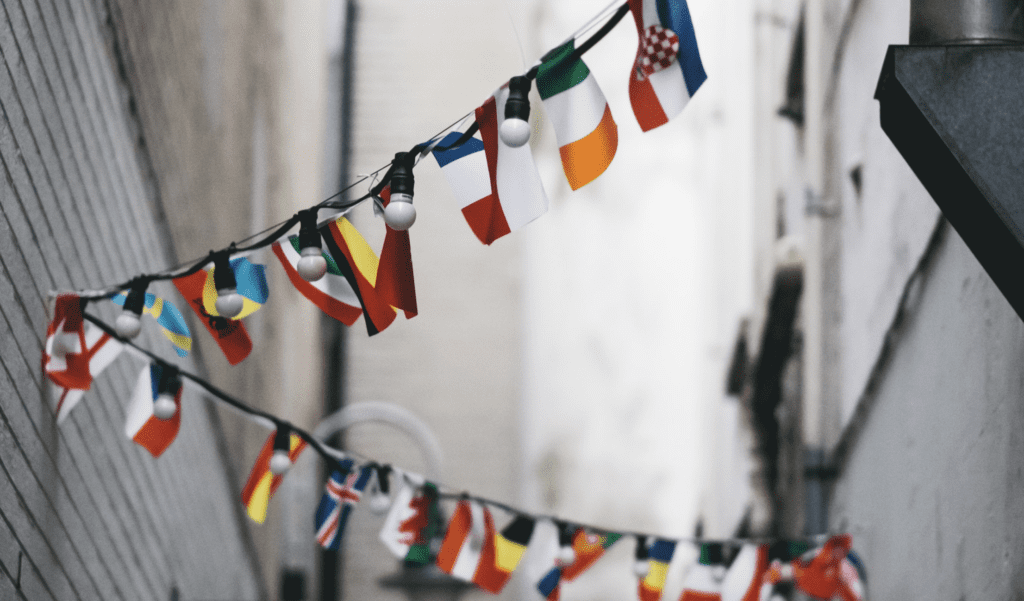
[566, 556]
[128, 325]
[229, 302]
[641, 568]
[164, 407]
[379, 503]
[400, 214]
[312, 265]
[514, 132]
[279, 462]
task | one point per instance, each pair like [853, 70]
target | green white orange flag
[586, 133]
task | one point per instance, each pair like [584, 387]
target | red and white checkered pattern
[658, 50]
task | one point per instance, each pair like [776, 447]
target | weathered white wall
[634, 288]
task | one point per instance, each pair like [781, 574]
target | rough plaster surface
[932, 491]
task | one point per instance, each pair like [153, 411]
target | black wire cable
[336, 463]
[280, 229]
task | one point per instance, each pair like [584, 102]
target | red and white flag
[75, 352]
[517, 195]
[469, 532]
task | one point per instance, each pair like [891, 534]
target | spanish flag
[262, 484]
[500, 559]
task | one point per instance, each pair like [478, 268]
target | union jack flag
[343, 491]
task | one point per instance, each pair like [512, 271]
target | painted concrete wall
[86, 514]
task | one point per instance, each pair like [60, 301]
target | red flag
[65, 354]
[395, 282]
[230, 334]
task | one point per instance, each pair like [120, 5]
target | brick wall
[85, 513]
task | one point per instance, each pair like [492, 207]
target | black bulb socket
[170, 380]
[517, 106]
[309, 236]
[223, 275]
[402, 180]
[282, 438]
[135, 299]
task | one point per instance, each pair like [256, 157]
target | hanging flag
[465, 168]
[586, 133]
[500, 559]
[704, 582]
[343, 491]
[230, 334]
[167, 316]
[667, 70]
[821, 573]
[588, 548]
[659, 556]
[414, 520]
[262, 484]
[142, 426]
[743, 581]
[65, 360]
[496, 186]
[250, 282]
[469, 531]
[358, 264]
[101, 350]
[332, 293]
[395, 282]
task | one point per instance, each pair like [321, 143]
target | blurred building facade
[881, 372]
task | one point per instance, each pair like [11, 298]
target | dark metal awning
[956, 114]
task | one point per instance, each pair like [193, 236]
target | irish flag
[667, 70]
[586, 133]
[332, 293]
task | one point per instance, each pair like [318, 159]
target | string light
[229, 302]
[380, 494]
[280, 461]
[566, 555]
[514, 130]
[400, 214]
[129, 322]
[312, 265]
[641, 563]
[168, 388]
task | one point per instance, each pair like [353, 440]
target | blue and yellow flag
[171, 322]
[251, 282]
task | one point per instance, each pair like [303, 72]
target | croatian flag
[496, 186]
[340, 496]
[142, 427]
[667, 71]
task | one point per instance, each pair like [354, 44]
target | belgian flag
[500, 559]
[358, 264]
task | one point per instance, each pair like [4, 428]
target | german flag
[262, 484]
[500, 559]
[358, 264]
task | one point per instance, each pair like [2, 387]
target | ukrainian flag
[251, 282]
[171, 321]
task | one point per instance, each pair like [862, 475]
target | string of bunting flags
[490, 169]
[472, 547]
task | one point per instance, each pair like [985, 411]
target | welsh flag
[414, 520]
[586, 133]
